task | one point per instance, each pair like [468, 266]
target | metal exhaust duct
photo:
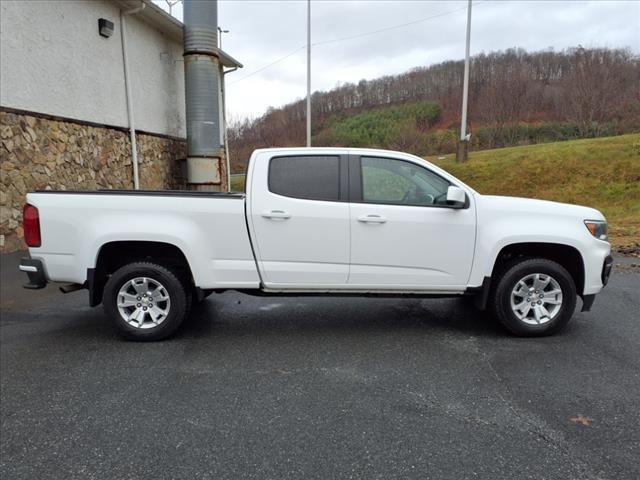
[202, 94]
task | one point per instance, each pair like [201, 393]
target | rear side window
[308, 177]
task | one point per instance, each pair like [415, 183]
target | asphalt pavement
[321, 388]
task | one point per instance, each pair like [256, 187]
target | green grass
[602, 173]
[237, 183]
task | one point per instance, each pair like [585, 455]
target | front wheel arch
[567, 256]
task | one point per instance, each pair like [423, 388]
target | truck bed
[209, 228]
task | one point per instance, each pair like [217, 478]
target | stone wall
[39, 152]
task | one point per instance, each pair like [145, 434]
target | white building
[64, 105]
[55, 61]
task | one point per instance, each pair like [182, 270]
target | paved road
[318, 388]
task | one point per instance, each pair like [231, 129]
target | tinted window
[312, 177]
[398, 182]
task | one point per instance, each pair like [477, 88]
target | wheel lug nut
[138, 298]
[144, 308]
[139, 305]
[539, 302]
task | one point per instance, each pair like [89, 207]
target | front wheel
[145, 301]
[534, 297]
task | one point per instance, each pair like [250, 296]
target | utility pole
[308, 73]
[221, 31]
[463, 144]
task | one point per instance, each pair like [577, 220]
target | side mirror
[456, 197]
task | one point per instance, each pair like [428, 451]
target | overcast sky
[264, 31]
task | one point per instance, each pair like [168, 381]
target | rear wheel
[534, 297]
[145, 301]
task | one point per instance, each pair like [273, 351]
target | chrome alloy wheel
[143, 302]
[536, 299]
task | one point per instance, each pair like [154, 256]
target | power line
[270, 64]
[386, 29]
[351, 37]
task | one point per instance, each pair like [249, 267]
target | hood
[530, 205]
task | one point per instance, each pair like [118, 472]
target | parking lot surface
[318, 388]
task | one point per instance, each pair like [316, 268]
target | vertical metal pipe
[202, 93]
[308, 73]
[465, 87]
[129, 93]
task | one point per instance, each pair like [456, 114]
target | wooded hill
[515, 98]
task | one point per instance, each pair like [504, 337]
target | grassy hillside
[603, 173]
[380, 126]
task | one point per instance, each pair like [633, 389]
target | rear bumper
[35, 271]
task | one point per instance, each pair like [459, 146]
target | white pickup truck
[329, 221]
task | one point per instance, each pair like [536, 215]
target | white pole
[129, 93]
[465, 88]
[308, 73]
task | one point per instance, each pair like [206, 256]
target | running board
[352, 293]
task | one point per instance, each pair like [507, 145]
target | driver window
[397, 182]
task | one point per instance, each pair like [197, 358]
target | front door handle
[371, 218]
[277, 214]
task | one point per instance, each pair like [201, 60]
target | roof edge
[169, 25]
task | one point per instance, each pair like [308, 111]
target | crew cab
[329, 221]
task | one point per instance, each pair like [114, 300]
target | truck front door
[404, 235]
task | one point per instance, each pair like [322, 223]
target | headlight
[597, 228]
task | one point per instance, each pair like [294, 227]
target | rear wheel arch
[113, 255]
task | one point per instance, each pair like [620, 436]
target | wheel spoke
[551, 301]
[544, 312]
[127, 300]
[524, 309]
[141, 287]
[135, 316]
[541, 281]
[551, 297]
[522, 291]
[552, 293]
[154, 314]
[536, 313]
[159, 295]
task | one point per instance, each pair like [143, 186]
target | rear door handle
[371, 218]
[277, 214]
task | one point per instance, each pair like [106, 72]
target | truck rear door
[298, 213]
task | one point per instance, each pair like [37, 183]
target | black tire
[178, 309]
[507, 279]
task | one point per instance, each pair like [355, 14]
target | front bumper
[606, 269]
[35, 271]
[607, 266]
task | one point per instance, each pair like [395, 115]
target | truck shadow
[235, 314]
